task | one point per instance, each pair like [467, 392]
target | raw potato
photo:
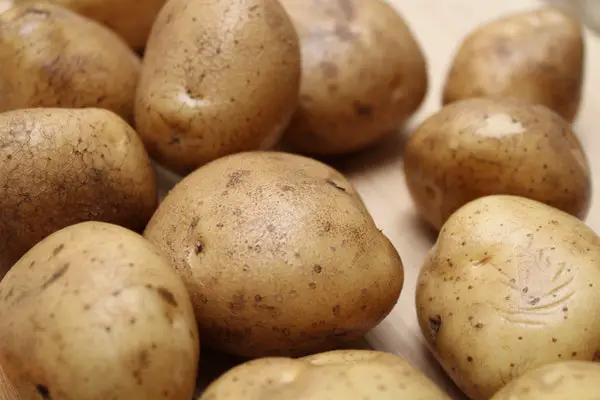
[130, 19]
[564, 380]
[510, 285]
[343, 374]
[219, 77]
[52, 57]
[7, 390]
[363, 74]
[279, 254]
[537, 56]
[60, 166]
[95, 312]
[478, 147]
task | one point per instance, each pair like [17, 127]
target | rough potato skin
[363, 74]
[537, 56]
[95, 312]
[510, 285]
[478, 147]
[342, 374]
[559, 381]
[219, 77]
[7, 390]
[131, 19]
[52, 57]
[64, 166]
[279, 255]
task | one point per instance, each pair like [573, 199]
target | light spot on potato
[500, 125]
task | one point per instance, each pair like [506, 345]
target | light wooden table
[439, 26]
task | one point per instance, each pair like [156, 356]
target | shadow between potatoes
[165, 180]
[414, 222]
[438, 374]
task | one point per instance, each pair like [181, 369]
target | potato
[363, 74]
[63, 166]
[52, 57]
[130, 19]
[342, 374]
[95, 311]
[7, 390]
[537, 56]
[219, 77]
[563, 380]
[511, 284]
[478, 147]
[279, 254]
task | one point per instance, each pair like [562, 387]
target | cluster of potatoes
[270, 255]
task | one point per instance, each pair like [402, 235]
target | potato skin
[342, 374]
[7, 390]
[279, 254]
[130, 19]
[94, 311]
[62, 166]
[511, 284]
[363, 74]
[537, 56]
[219, 77]
[52, 57]
[564, 380]
[478, 147]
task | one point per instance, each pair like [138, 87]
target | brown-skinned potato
[363, 75]
[342, 374]
[94, 312]
[64, 166]
[484, 146]
[219, 77]
[52, 57]
[537, 56]
[130, 19]
[279, 254]
[510, 285]
[7, 390]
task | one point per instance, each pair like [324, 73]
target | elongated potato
[219, 77]
[52, 57]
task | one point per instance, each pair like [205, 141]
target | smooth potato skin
[94, 311]
[363, 75]
[52, 57]
[537, 56]
[510, 285]
[219, 77]
[279, 255]
[485, 146]
[130, 19]
[64, 166]
[342, 374]
[559, 381]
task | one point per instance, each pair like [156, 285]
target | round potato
[363, 75]
[537, 56]
[478, 147]
[279, 255]
[63, 166]
[511, 284]
[219, 77]
[130, 19]
[94, 311]
[559, 381]
[342, 374]
[52, 57]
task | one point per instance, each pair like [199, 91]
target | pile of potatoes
[261, 251]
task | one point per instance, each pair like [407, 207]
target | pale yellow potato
[537, 56]
[363, 74]
[342, 374]
[485, 146]
[52, 57]
[510, 285]
[559, 381]
[279, 254]
[63, 166]
[131, 19]
[219, 77]
[96, 312]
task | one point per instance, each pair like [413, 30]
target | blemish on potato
[362, 110]
[435, 324]
[167, 296]
[317, 269]
[56, 275]
[58, 249]
[43, 391]
[198, 247]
